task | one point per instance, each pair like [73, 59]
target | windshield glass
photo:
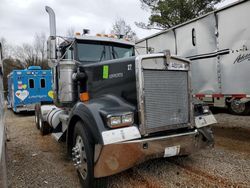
[121, 52]
[95, 52]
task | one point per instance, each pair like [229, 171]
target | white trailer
[218, 44]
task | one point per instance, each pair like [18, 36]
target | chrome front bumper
[114, 158]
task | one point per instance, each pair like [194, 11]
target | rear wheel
[83, 157]
[37, 106]
[239, 108]
[42, 125]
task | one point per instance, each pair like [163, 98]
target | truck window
[92, 52]
[95, 52]
[121, 52]
[31, 83]
[42, 83]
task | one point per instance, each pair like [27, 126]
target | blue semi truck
[28, 87]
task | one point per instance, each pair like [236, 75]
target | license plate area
[172, 151]
[202, 121]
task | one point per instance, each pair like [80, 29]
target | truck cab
[115, 110]
[89, 49]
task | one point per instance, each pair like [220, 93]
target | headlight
[115, 120]
[128, 118]
[121, 120]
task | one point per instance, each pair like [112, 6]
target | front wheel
[83, 157]
[239, 108]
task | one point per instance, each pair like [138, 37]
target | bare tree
[26, 54]
[7, 49]
[121, 27]
[39, 46]
[70, 32]
[3, 43]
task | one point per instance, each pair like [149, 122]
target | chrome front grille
[166, 99]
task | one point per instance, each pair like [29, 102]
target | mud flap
[207, 134]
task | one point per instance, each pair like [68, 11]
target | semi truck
[3, 172]
[28, 87]
[218, 44]
[115, 110]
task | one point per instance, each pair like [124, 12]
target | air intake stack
[51, 43]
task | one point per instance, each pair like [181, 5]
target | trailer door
[234, 33]
[33, 90]
[197, 41]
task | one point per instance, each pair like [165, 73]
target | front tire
[83, 156]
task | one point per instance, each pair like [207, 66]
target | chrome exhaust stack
[51, 42]
[52, 21]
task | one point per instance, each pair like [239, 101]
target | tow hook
[76, 157]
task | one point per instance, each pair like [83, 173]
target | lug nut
[78, 156]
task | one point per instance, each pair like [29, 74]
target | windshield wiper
[103, 53]
[114, 53]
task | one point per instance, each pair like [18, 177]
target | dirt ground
[39, 161]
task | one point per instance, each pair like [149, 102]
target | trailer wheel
[239, 108]
[83, 157]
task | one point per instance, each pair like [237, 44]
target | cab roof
[104, 39]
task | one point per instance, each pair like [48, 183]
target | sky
[21, 19]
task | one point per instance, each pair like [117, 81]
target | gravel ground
[39, 161]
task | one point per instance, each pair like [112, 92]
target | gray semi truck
[115, 110]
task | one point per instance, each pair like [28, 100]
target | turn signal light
[84, 96]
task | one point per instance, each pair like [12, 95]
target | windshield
[95, 52]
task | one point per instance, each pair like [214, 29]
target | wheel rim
[82, 165]
[40, 123]
[237, 106]
[36, 118]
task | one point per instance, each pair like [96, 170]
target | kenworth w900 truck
[115, 110]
